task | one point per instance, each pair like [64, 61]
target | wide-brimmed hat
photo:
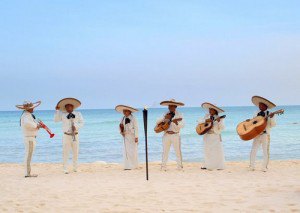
[28, 105]
[258, 99]
[63, 102]
[120, 108]
[171, 102]
[208, 106]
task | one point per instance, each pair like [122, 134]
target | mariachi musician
[72, 122]
[129, 131]
[213, 146]
[263, 139]
[172, 133]
[30, 128]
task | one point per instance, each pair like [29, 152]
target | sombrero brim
[208, 106]
[73, 101]
[258, 99]
[22, 107]
[173, 103]
[120, 108]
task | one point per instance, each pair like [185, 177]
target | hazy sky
[141, 52]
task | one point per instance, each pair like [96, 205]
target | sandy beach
[100, 187]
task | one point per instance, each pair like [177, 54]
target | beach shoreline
[105, 187]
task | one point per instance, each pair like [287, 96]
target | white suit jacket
[66, 123]
[132, 127]
[29, 125]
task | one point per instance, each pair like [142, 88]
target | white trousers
[167, 140]
[263, 141]
[213, 152]
[130, 152]
[68, 146]
[30, 143]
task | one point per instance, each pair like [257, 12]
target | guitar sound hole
[206, 125]
[255, 122]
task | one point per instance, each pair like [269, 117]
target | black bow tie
[70, 115]
[212, 117]
[33, 116]
[127, 121]
[261, 113]
[172, 114]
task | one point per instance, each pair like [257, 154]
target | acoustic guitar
[165, 124]
[204, 127]
[251, 128]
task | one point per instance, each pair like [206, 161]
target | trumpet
[42, 125]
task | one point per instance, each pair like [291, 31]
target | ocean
[100, 139]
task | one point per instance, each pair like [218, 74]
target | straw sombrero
[208, 106]
[28, 105]
[171, 102]
[120, 108]
[258, 99]
[73, 101]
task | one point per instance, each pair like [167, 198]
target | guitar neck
[221, 117]
[177, 119]
[278, 112]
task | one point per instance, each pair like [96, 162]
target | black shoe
[203, 168]
[29, 176]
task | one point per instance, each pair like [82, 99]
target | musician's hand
[175, 122]
[167, 116]
[248, 120]
[73, 128]
[122, 133]
[57, 108]
[136, 140]
[218, 119]
[271, 115]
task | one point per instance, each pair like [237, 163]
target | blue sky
[141, 52]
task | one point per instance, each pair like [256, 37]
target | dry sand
[99, 187]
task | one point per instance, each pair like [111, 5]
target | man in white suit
[72, 122]
[263, 139]
[172, 134]
[30, 128]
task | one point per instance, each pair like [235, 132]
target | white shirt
[173, 127]
[132, 127]
[29, 125]
[271, 121]
[217, 128]
[67, 123]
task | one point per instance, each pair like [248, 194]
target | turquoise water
[100, 139]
